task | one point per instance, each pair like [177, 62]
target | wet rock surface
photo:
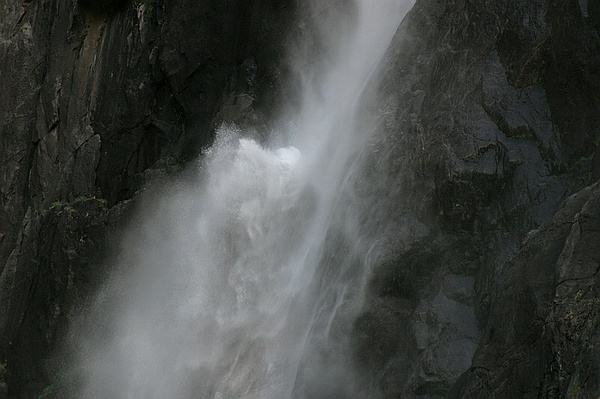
[488, 129]
[98, 100]
[542, 332]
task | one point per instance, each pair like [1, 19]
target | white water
[229, 288]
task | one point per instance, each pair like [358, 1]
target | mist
[244, 281]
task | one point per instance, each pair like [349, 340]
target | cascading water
[245, 284]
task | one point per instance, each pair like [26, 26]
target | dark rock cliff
[97, 99]
[489, 116]
[489, 120]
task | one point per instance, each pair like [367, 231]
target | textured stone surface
[488, 120]
[542, 336]
[93, 95]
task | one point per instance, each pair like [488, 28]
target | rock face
[488, 116]
[489, 124]
[93, 95]
[541, 339]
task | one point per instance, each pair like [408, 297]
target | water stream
[245, 283]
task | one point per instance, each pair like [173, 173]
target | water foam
[232, 290]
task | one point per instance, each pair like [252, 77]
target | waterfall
[245, 282]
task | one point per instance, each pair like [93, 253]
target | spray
[245, 283]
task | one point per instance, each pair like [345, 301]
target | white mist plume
[220, 299]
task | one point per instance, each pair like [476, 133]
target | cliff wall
[98, 99]
[488, 143]
[490, 121]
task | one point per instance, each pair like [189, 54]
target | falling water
[245, 283]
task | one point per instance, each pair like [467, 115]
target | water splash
[244, 284]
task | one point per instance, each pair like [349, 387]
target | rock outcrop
[489, 121]
[541, 338]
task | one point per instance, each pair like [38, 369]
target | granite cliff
[490, 109]
[488, 142]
